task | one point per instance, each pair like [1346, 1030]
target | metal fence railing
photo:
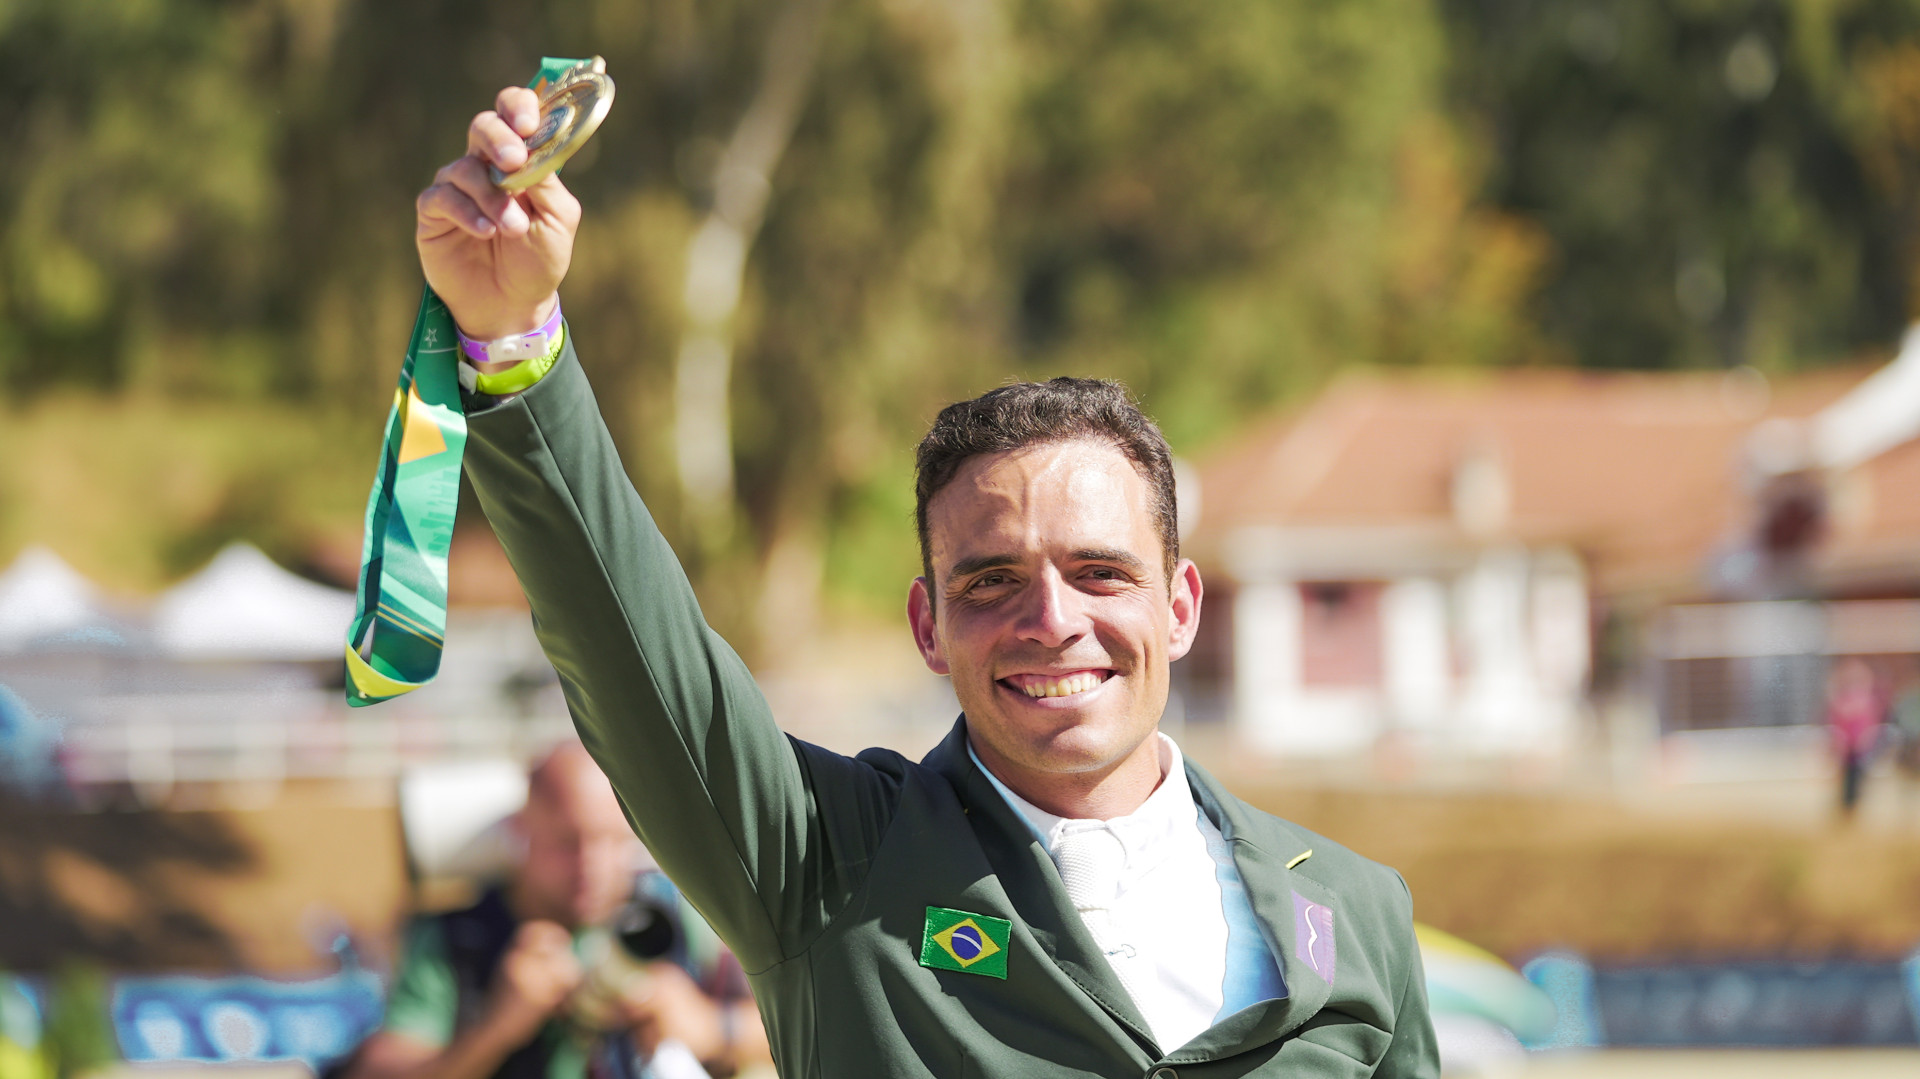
[1765, 664]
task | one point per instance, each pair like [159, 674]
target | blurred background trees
[207, 275]
[1714, 174]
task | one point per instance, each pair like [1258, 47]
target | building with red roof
[1449, 557]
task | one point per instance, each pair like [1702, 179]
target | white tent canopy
[244, 607]
[42, 598]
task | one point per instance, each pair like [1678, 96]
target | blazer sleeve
[766, 835]
[1414, 1052]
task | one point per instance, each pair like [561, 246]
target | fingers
[463, 193]
[520, 108]
[538, 934]
[444, 207]
[463, 196]
[550, 201]
[499, 136]
[491, 139]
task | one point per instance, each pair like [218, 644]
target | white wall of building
[1489, 655]
[1274, 711]
[1501, 696]
[1419, 656]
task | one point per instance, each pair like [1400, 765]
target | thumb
[550, 201]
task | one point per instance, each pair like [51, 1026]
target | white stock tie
[1090, 862]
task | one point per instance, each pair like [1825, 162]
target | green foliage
[139, 189]
[1221, 203]
[142, 490]
[1702, 168]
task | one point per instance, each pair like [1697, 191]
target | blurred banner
[1830, 1003]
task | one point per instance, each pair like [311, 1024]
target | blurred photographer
[530, 983]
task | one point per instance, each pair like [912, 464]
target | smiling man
[1054, 890]
[1053, 592]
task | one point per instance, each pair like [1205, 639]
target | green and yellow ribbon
[400, 614]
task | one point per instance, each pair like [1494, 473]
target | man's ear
[920, 619]
[1186, 592]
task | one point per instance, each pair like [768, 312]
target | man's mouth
[1056, 685]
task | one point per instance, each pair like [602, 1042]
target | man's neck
[1115, 791]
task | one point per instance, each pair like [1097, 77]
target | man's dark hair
[1037, 413]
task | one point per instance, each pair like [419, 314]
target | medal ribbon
[400, 608]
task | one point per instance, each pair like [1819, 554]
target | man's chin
[1071, 744]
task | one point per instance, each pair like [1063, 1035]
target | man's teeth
[1062, 687]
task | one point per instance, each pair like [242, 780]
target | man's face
[580, 853]
[1050, 607]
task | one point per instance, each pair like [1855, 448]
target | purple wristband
[476, 349]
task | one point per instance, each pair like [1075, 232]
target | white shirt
[1166, 905]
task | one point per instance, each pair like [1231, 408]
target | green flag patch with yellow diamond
[969, 943]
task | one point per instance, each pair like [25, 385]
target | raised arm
[767, 836]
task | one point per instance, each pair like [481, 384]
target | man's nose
[1054, 614]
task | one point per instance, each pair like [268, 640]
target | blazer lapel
[1301, 939]
[1031, 881]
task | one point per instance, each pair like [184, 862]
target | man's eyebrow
[1124, 559]
[970, 566]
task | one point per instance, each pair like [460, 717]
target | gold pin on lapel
[1301, 857]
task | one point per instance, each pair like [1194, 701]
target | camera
[616, 955]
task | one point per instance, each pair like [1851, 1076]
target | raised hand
[496, 259]
[534, 980]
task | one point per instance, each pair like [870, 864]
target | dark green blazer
[818, 869]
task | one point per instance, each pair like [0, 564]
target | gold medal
[571, 108]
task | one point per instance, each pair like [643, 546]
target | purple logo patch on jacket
[1313, 935]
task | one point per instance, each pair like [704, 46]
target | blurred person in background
[1856, 707]
[494, 990]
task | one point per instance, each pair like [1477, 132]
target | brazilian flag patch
[969, 943]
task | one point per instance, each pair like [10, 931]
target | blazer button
[1164, 1073]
